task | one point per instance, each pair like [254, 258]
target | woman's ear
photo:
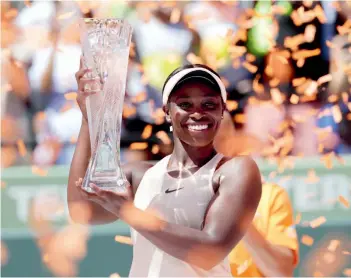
[165, 109]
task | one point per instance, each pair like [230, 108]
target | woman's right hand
[85, 88]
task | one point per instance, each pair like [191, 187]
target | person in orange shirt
[270, 246]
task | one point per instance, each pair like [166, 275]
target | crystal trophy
[105, 47]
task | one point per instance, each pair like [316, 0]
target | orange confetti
[311, 88]
[11, 13]
[298, 81]
[310, 33]
[236, 63]
[147, 132]
[344, 29]
[294, 99]
[277, 96]
[71, 96]
[73, 139]
[124, 240]
[348, 116]
[175, 16]
[336, 113]
[333, 98]
[21, 147]
[343, 201]
[330, 44]
[298, 219]
[239, 118]
[3, 184]
[294, 42]
[250, 57]
[39, 171]
[319, 12]
[324, 79]
[163, 137]
[346, 252]
[155, 149]
[142, 96]
[274, 82]
[300, 63]
[317, 222]
[303, 54]
[312, 177]
[347, 272]
[65, 15]
[138, 146]
[333, 245]
[232, 105]
[237, 51]
[307, 240]
[251, 68]
[257, 87]
[128, 111]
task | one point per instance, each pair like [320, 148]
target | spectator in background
[51, 75]
[270, 246]
[14, 93]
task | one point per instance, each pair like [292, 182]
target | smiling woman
[190, 209]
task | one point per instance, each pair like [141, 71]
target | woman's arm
[79, 207]
[230, 214]
[272, 260]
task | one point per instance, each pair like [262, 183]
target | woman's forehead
[195, 90]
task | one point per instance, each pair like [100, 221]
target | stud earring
[171, 128]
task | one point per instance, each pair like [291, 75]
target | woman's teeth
[197, 127]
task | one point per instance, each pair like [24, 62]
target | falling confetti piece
[175, 16]
[319, 12]
[299, 81]
[345, 28]
[347, 272]
[294, 99]
[336, 113]
[330, 44]
[300, 63]
[343, 201]
[307, 240]
[147, 132]
[163, 137]
[39, 171]
[317, 222]
[193, 59]
[3, 184]
[298, 219]
[155, 149]
[312, 177]
[250, 57]
[138, 146]
[310, 33]
[303, 54]
[251, 68]
[346, 252]
[71, 96]
[333, 245]
[21, 147]
[142, 96]
[65, 15]
[257, 87]
[239, 118]
[333, 98]
[124, 240]
[232, 105]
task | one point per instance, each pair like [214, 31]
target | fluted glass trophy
[105, 46]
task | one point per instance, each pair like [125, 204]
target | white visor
[174, 80]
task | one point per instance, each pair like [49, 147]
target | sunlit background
[287, 69]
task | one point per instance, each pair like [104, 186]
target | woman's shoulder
[242, 162]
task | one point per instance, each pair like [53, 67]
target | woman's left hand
[109, 200]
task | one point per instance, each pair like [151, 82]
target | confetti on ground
[21, 147]
[343, 201]
[307, 240]
[115, 275]
[317, 222]
[39, 171]
[333, 245]
[124, 240]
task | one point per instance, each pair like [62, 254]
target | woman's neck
[186, 156]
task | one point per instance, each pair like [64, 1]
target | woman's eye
[210, 104]
[184, 105]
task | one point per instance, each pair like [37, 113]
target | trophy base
[118, 186]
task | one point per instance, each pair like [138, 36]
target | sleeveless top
[180, 201]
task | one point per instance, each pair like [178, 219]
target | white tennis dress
[181, 201]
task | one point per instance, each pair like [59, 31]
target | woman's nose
[196, 115]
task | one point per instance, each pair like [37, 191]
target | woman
[191, 208]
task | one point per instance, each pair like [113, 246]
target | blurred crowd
[286, 66]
